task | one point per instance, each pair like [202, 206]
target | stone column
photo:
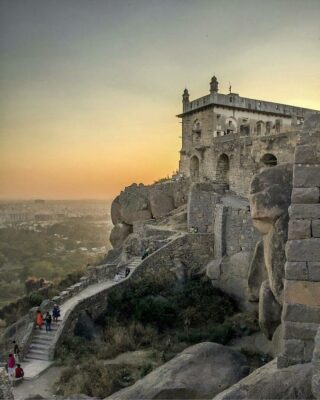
[301, 308]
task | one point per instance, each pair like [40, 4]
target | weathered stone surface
[299, 330]
[257, 272]
[115, 211]
[306, 176]
[161, 201]
[301, 313]
[299, 229]
[314, 271]
[303, 250]
[274, 255]
[294, 347]
[305, 154]
[270, 195]
[119, 234]
[268, 382]
[277, 341]
[315, 381]
[230, 275]
[269, 310]
[316, 228]
[305, 195]
[296, 270]
[5, 386]
[304, 211]
[200, 371]
[302, 292]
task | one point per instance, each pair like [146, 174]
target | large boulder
[270, 196]
[115, 211]
[119, 233]
[269, 382]
[269, 310]
[199, 372]
[161, 200]
[257, 272]
[134, 204]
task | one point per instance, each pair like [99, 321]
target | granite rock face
[5, 386]
[119, 234]
[270, 197]
[269, 382]
[199, 372]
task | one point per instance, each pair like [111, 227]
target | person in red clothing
[39, 319]
[19, 373]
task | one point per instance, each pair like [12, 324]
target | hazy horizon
[90, 89]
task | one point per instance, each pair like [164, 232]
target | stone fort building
[228, 138]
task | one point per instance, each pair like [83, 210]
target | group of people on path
[47, 318]
[14, 368]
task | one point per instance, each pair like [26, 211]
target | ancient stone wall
[185, 254]
[301, 311]
[5, 387]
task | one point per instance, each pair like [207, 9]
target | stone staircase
[42, 340]
[40, 345]
[135, 261]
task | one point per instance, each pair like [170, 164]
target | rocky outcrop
[271, 383]
[119, 234]
[140, 203]
[199, 372]
[270, 197]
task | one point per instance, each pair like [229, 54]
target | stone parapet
[301, 310]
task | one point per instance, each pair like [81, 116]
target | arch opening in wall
[223, 168]
[269, 160]
[194, 168]
[260, 128]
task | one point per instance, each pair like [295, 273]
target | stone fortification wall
[182, 256]
[316, 367]
[301, 311]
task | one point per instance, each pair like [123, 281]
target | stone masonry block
[294, 348]
[306, 176]
[296, 270]
[301, 313]
[305, 154]
[305, 195]
[304, 211]
[303, 250]
[302, 292]
[299, 229]
[299, 330]
[308, 349]
[315, 228]
[314, 271]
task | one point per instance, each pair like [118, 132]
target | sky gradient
[90, 88]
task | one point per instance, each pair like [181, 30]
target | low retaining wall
[192, 250]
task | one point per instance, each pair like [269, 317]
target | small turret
[185, 100]
[214, 85]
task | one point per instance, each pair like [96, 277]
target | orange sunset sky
[90, 88]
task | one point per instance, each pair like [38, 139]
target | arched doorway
[223, 167]
[269, 160]
[194, 167]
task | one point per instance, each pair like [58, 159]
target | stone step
[39, 347]
[38, 351]
[32, 357]
[42, 341]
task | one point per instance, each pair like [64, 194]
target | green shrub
[35, 299]
[146, 369]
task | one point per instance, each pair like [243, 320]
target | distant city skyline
[90, 88]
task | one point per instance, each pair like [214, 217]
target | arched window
[260, 127]
[223, 167]
[269, 160]
[194, 168]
